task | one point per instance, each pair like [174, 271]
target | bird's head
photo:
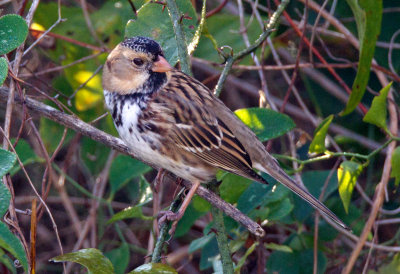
[136, 65]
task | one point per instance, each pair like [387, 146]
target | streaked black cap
[143, 44]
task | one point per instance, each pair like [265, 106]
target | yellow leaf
[91, 94]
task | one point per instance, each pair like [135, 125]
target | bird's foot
[168, 215]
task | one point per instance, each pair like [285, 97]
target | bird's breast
[149, 141]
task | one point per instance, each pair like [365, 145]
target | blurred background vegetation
[90, 183]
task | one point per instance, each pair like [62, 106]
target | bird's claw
[168, 215]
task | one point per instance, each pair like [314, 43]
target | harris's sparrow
[173, 121]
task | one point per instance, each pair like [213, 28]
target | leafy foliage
[377, 113]
[153, 268]
[3, 70]
[318, 143]
[107, 199]
[368, 14]
[8, 241]
[153, 21]
[347, 173]
[13, 31]
[265, 123]
[396, 165]
[91, 258]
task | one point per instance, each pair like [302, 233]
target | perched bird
[173, 121]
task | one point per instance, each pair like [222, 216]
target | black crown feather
[143, 44]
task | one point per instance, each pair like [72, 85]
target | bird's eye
[138, 62]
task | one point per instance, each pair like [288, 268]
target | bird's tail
[278, 174]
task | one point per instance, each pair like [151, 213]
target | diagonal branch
[83, 128]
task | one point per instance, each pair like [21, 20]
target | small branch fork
[230, 59]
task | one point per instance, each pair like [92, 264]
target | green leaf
[314, 182]
[376, 115]
[123, 169]
[200, 243]
[13, 31]
[318, 143]
[197, 208]
[10, 243]
[231, 194]
[154, 268]
[347, 174]
[359, 15]
[91, 258]
[200, 204]
[119, 257]
[300, 262]
[5, 198]
[94, 154]
[223, 29]
[129, 213]
[145, 196]
[279, 209]
[277, 247]
[51, 133]
[25, 154]
[5, 260]
[7, 161]
[242, 260]
[395, 173]
[265, 123]
[209, 254]
[368, 14]
[153, 22]
[392, 267]
[3, 70]
[253, 196]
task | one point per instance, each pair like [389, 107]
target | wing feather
[194, 127]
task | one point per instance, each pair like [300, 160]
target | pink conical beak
[161, 65]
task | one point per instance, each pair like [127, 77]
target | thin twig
[70, 40]
[58, 68]
[261, 75]
[37, 194]
[89, 23]
[217, 9]
[299, 50]
[14, 70]
[232, 58]
[381, 189]
[59, 20]
[98, 191]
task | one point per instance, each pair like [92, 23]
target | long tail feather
[279, 175]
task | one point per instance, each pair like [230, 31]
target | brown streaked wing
[196, 129]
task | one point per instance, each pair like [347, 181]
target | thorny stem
[162, 238]
[222, 239]
[269, 28]
[179, 36]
